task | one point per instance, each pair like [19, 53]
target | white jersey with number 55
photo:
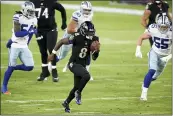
[162, 43]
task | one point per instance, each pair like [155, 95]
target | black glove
[63, 26]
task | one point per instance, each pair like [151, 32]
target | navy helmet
[87, 29]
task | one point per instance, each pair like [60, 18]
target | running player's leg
[13, 55]
[79, 70]
[42, 43]
[71, 94]
[160, 69]
[27, 60]
[153, 65]
[51, 42]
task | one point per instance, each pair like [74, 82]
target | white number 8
[83, 52]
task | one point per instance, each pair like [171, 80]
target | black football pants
[81, 78]
[48, 42]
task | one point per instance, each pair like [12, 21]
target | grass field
[118, 75]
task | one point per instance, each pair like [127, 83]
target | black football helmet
[87, 29]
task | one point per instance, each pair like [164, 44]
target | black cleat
[43, 76]
[55, 75]
[78, 97]
[66, 106]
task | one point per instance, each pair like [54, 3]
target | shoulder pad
[76, 15]
[16, 17]
[152, 28]
[148, 4]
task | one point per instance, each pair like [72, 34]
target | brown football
[95, 46]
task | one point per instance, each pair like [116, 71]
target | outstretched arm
[57, 46]
[144, 36]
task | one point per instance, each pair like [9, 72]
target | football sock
[148, 78]
[70, 96]
[83, 82]
[7, 76]
[23, 67]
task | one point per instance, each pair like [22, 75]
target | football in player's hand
[95, 46]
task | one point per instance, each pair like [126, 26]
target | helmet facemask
[86, 8]
[163, 23]
[163, 28]
[28, 10]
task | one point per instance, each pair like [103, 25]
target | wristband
[54, 52]
[138, 48]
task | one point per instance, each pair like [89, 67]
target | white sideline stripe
[104, 98]
[95, 65]
[96, 8]
[26, 105]
[37, 67]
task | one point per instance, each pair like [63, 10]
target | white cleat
[91, 78]
[45, 79]
[143, 96]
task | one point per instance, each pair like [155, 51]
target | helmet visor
[31, 12]
[86, 11]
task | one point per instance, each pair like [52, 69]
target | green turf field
[118, 75]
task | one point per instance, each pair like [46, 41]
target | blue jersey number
[161, 42]
[25, 26]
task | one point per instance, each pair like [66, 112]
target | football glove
[8, 45]
[63, 26]
[138, 53]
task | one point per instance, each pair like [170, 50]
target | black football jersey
[45, 13]
[155, 10]
[81, 48]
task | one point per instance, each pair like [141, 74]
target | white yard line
[4, 66]
[89, 99]
[30, 105]
[96, 8]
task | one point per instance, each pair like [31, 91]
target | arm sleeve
[60, 8]
[16, 18]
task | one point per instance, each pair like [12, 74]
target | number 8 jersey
[162, 43]
[81, 48]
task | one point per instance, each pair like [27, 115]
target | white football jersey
[79, 18]
[162, 43]
[26, 24]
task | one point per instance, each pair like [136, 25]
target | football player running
[24, 23]
[160, 52]
[78, 17]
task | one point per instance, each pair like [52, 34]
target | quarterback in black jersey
[152, 10]
[82, 42]
[47, 33]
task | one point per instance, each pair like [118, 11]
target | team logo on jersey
[167, 36]
[86, 43]
[71, 65]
